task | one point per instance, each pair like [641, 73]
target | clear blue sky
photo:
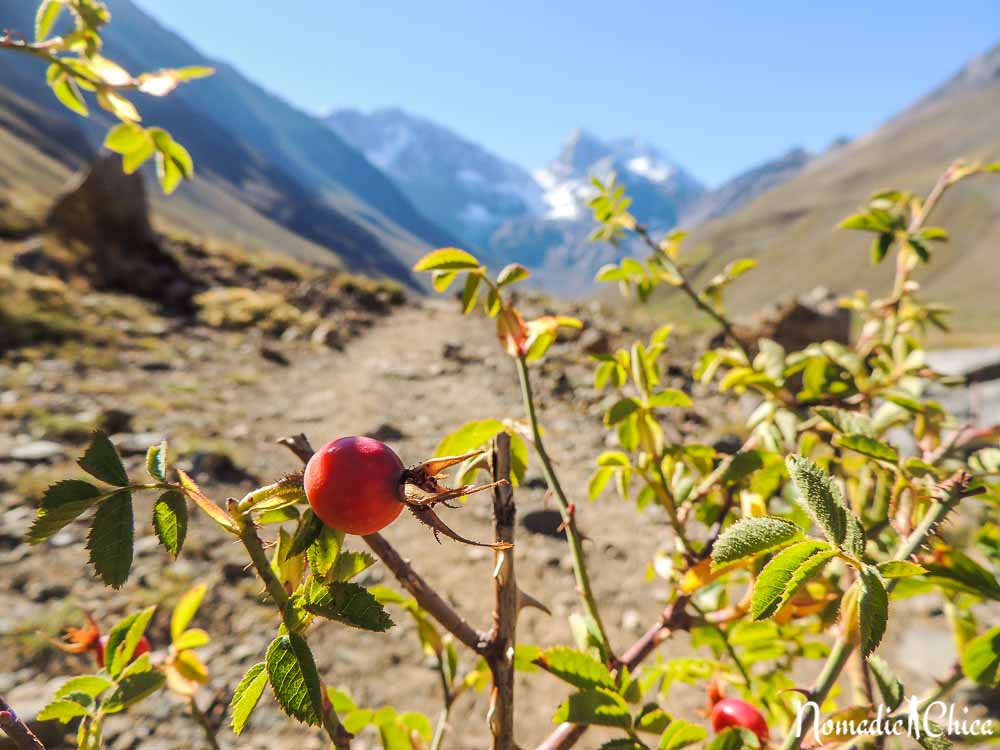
[719, 86]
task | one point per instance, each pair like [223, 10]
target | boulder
[796, 323]
[105, 212]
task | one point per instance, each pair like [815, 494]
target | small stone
[113, 421]
[35, 451]
[631, 621]
[325, 334]
[595, 341]
[137, 443]
[386, 433]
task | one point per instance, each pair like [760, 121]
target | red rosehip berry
[142, 647]
[353, 485]
[733, 712]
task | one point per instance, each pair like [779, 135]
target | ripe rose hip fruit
[733, 712]
[353, 485]
[142, 647]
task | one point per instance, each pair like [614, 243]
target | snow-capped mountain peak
[644, 170]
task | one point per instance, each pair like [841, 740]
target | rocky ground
[223, 398]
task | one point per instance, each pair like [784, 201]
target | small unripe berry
[733, 712]
[353, 485]
[142, 647]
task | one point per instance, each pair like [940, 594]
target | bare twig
[207, 727]
[566, 509]
[418, 588]
[425, 595]
[500, 649]
[701, 304]
[17, 730]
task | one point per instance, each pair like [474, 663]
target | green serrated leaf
[868, 446]
[652, 719]
[845, 421]
[680, 733]
[170, 520]
[286, 491]
[900, 569]
[247, 696]
[88, 684]
[888, 684]
[621, 410]
[957, 571]
[785, 573]
[111, 539]
[577, 668]
[322, 554]
[350, 604]
[599, 706]
[133, 689]
[418, 724]
[935, 739]
[750, 537]
[307, 532]
[469, 437]
[349, 564]
[143, 664]
[669, 397]
[734, 738]
[156, 461]
[624, 743]
[981, 658]
[819, 497]
[62, 503]
[101, 460]
[880, 246]
[873, 609]
[743, 465]
[62, 710]
[855, 539]
[294, 680]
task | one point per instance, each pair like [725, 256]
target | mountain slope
[740, 190]
[456, 183]
[791, 229]
[251, 148]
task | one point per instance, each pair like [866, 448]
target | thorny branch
[701, 304]
[17, 730]
[500, 648]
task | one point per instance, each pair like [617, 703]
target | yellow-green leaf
[447, 259]
[185, 610]
[247, 696]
